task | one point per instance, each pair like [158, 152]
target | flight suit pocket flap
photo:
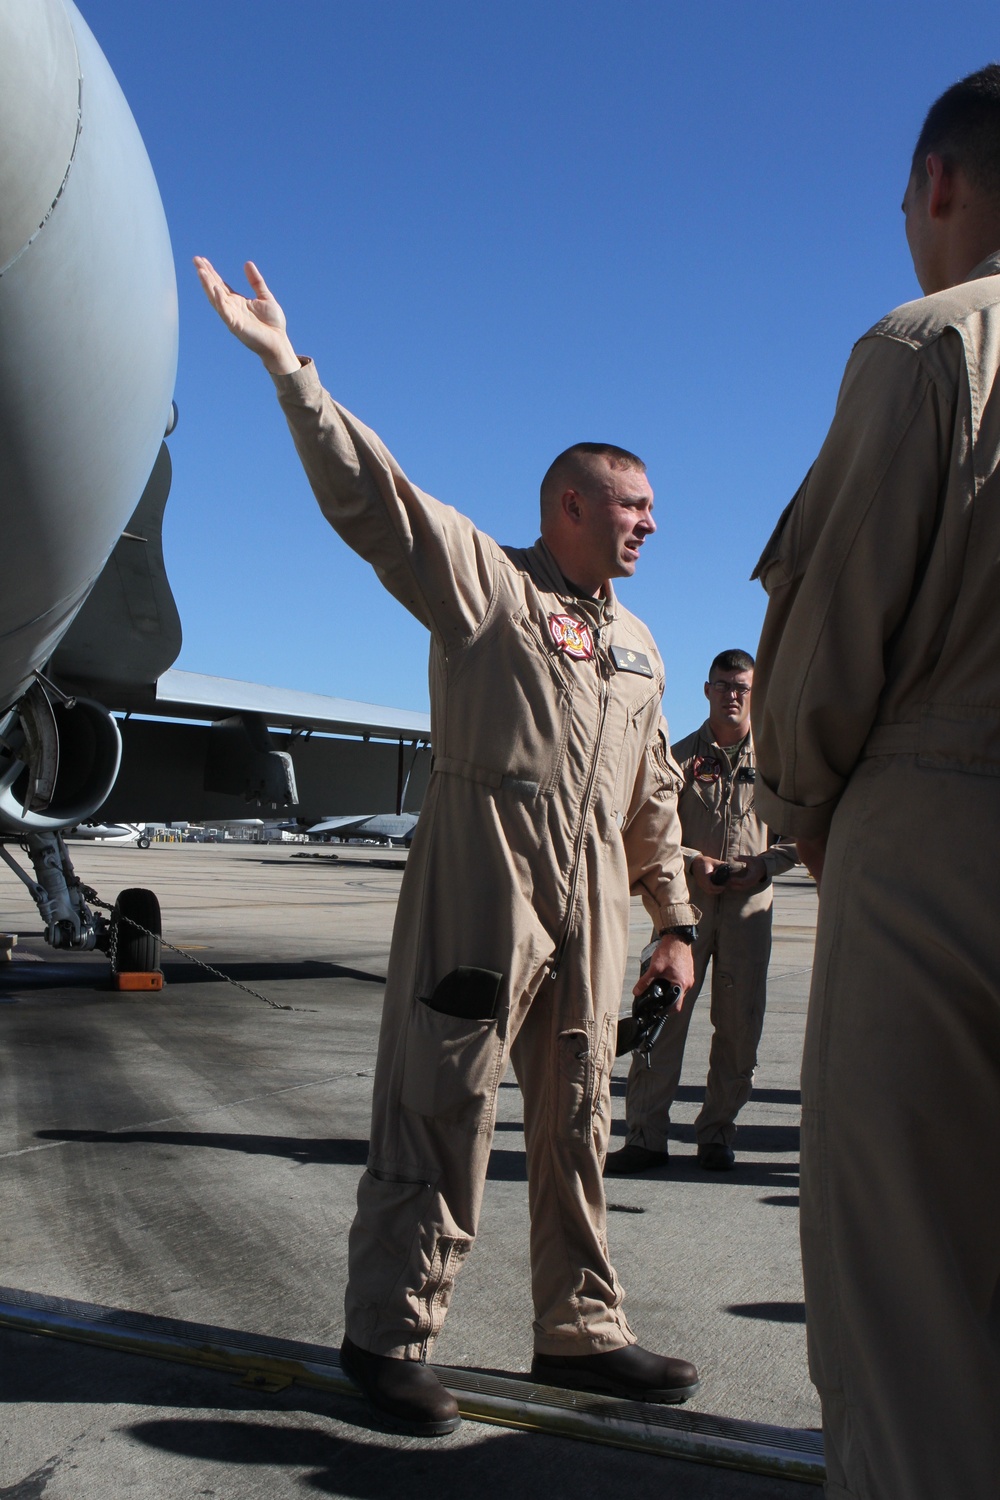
[467, 993]
[451, 1068]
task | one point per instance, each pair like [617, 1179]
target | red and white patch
[572, 637]
[706, 769]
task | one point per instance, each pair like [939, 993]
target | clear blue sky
[503, 228]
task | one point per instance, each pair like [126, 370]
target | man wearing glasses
[727, 857]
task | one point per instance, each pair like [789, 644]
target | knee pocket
[583, 1068]
[452, 1059]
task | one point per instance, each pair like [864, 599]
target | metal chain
[217, 973]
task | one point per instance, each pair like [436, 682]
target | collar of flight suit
[988, 267]
[708, 738]
[547, 572]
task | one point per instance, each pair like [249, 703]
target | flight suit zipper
[574, 886]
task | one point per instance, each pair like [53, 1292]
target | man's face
[728, 695]
[616, 508]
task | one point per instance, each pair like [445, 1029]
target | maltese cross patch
[572, 637]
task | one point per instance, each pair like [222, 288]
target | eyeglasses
[730, 690]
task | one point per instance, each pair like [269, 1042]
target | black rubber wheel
[136, 951]
[142, 841]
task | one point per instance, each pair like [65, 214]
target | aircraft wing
[217, 748]
[190, 695]
[380, 826]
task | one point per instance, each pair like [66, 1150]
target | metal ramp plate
[271, 1364]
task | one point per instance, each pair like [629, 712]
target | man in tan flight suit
[877, 724]
[728, 858]
[553, 794]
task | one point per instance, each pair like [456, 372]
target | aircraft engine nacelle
[58, 762]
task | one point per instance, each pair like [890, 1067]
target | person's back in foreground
[877, 724]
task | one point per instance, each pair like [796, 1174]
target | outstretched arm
[257, 321]
[433, 560]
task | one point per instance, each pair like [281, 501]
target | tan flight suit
[718, 818]
[552, 794]
[877, 720]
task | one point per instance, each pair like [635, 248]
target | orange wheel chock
[126, 981]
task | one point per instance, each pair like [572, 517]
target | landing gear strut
[59, 894]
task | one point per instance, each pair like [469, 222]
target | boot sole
[412, 1429]
[595, 1386]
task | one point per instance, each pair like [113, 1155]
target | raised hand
[257, 321]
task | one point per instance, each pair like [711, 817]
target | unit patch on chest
[627, 660]
[706, 769]
[571, 637]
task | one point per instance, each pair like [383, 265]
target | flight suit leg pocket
[454, 1050]
[575, 1086]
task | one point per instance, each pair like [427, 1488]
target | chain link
[216, 973]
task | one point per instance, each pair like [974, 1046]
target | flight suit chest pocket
[454, 1053]
[633, 736]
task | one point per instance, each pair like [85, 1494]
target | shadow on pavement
[770, 1312]
[689, 1093]
[95, 973]
[505, 1166]
[782, 1139]
[306, 968]
[320, 1152]
[88, 974]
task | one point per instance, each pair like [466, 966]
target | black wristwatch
[687, 934]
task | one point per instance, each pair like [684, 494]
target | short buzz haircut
[963, 128]
[731, 661]
[570, 469]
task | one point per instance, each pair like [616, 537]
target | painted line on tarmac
[193, 1114]
[272, 1364]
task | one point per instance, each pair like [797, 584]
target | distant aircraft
[88, 625]
[110, 833]
[394, 828]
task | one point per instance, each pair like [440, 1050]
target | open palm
[257, 321]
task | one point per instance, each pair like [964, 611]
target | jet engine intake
[58, 761]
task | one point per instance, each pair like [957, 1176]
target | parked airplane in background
[110, 833]
[394, 828]
[88, 625]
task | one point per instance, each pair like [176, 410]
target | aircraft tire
[136, 952]
[143, 842]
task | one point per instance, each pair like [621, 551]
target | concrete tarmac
[195, 1154]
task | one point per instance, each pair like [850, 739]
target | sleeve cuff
[681, 914]
[301, 385]
[793, 821]
[778, 861]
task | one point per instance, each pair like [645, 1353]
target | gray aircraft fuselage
[88, 325]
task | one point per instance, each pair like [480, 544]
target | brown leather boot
[632, 1159]
[405, 1392]
[630, 1373]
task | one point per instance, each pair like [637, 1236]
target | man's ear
[940, 186]
[569, 503]
[707, 695]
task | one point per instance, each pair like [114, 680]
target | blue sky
[503, 228]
